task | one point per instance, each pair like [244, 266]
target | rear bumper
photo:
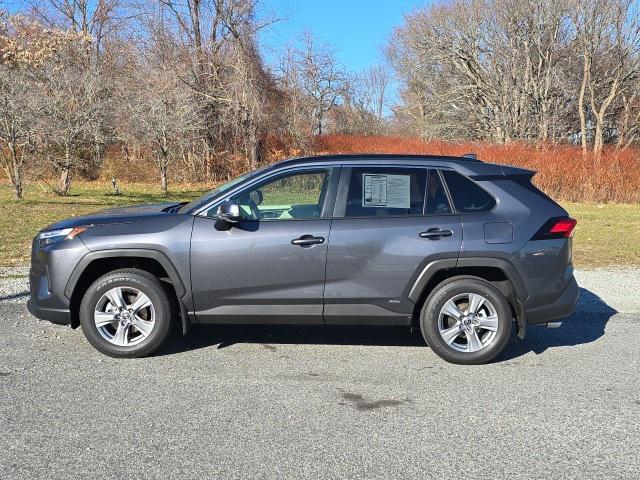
[53, 315]
[562, 307]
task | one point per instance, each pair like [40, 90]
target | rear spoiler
[508, 171]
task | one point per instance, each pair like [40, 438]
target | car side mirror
[229, 212]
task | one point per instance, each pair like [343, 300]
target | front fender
[160, 257]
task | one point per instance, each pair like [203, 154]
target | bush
[563, 172]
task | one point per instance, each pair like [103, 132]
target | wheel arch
[95, 264]
[498, 271]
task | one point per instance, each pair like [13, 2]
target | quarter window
[466, 195]
[380, 192]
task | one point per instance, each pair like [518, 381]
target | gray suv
[464, 250]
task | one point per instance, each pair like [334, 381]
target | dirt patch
[360, 403]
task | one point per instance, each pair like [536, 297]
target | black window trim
[335, 200]
[452, 210]
[332, 170]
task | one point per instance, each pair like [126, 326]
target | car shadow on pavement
[584, 326]
[224, 336]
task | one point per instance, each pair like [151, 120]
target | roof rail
[469, 157]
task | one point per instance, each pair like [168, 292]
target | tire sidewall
[430, 317]
[153, 290]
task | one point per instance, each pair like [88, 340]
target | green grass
[21, 220]
[606, 234]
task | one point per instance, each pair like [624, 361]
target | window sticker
[388, 191]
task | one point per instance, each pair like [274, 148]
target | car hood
[131, 214]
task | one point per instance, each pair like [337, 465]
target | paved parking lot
[289, 402]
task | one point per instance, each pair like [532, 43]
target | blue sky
[358, 30]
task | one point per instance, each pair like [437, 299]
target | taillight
[558, 227]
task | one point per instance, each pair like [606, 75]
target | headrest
[256, 197]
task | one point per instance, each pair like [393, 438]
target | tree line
[504, 70]
[184, 81]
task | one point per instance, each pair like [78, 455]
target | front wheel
[126, 313]
[466, 320]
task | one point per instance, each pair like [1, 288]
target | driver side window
[291, 196]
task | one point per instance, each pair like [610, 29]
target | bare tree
[367, 100]
[505, 70]
[25, 47]
[73, 99]
[17, 122]
[99, 19]
[218, 39]
[17, 125]
[628, 125]
[297, 105]
[491, 70]
[323, 80]
[608, 34]
[157, 111]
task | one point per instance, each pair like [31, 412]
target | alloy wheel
[468, 322]
[124, 316]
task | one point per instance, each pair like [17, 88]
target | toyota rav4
[464, 250]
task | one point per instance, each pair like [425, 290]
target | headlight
[54, 236]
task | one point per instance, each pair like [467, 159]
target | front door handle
[434, 233]
[307, 241]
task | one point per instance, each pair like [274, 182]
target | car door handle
[436, 233]
[307, 241]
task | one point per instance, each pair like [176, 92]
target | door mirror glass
[229, 212]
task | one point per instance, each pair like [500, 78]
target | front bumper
[562, 307]
[51, 267]
[53, 315]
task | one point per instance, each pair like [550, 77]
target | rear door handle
[307, 241]
[433, 233]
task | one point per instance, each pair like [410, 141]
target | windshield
[220, 189]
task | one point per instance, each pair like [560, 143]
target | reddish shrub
[563, 172]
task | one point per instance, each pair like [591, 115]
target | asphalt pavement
[301, 402]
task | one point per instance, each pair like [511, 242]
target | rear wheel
[466, 320]
[126, 313]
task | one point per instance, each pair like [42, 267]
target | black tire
[128, 278]
[450, 289]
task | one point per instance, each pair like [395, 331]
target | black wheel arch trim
[456, 262]
[507, 267]
[518, 296]
[160, 257]
[427, 273]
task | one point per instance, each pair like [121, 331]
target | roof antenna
[472, 156]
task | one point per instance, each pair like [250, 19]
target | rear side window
[466, 195]
[382, 192]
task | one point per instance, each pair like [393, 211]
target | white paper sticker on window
[388, 191]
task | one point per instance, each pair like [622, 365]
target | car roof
[467, 165]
